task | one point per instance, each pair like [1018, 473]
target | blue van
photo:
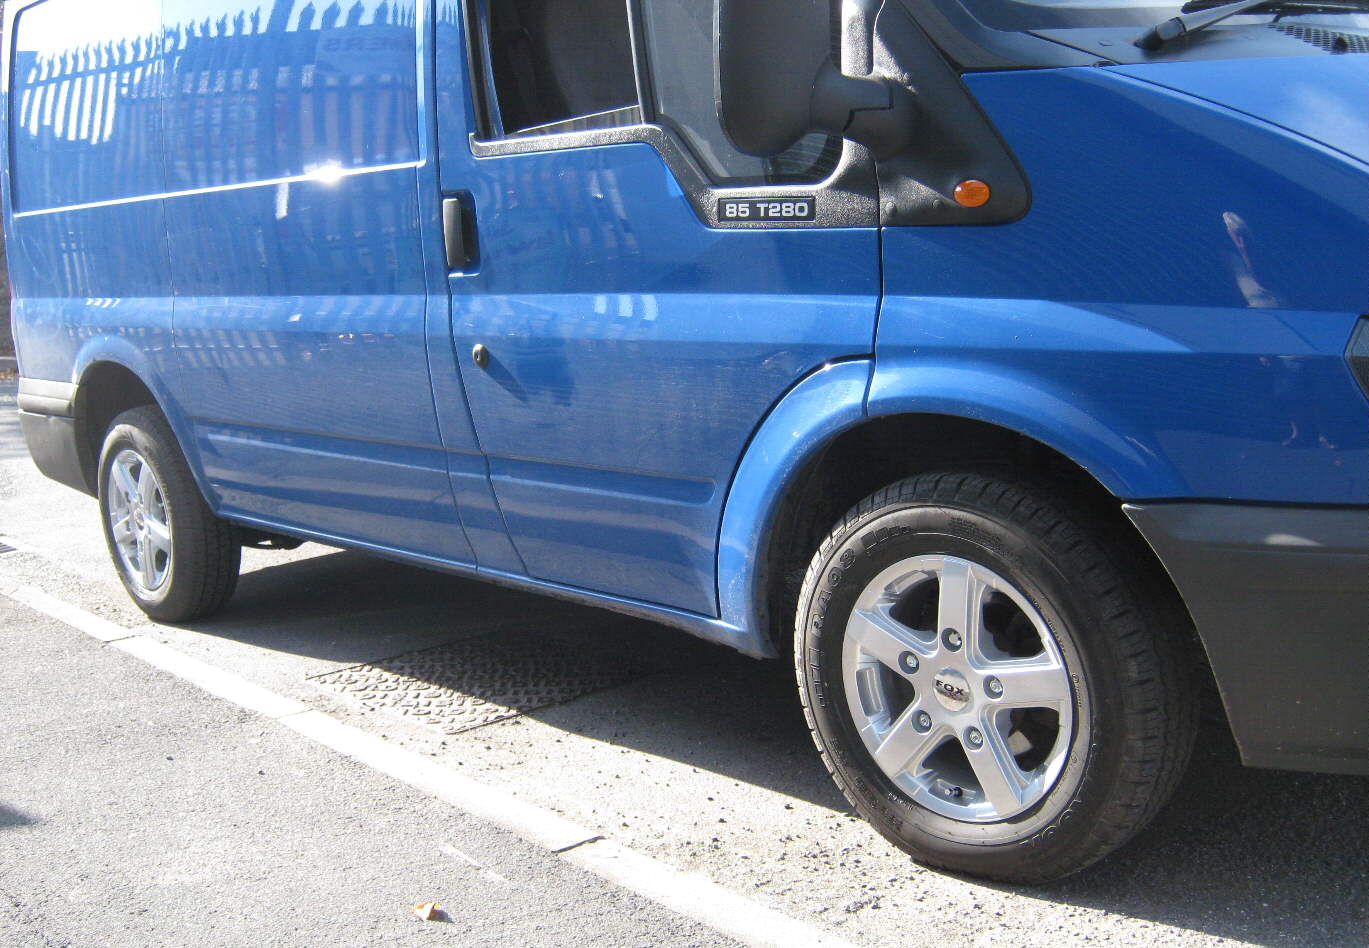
[1001, 362]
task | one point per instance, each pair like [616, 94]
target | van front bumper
[1280, 598]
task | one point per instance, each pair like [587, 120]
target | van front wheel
[989, 684]
[176, 559]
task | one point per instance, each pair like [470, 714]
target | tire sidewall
[903, 529]
[127, 435]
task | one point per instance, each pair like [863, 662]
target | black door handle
[459, 232]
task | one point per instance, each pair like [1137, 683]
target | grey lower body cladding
[1280, 597]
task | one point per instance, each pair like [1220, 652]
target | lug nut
[952, 639]
[923, 721]
[994, 687]
[974, 738]
[908, 662]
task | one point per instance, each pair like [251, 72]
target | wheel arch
[875, 424]
[1100, 438]
[822, 450]
[111, 377]
[797, 430]
[884, 449]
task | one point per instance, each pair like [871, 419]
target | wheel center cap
[952, 690]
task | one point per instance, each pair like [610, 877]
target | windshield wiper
[1216, 11]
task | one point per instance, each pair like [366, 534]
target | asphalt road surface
[147, 813]
[135, 809]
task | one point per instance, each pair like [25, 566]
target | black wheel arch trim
[54, 445]
[47, 417]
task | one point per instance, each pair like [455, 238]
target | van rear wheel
[176, 559]
[989, 681]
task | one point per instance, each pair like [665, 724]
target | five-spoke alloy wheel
[176, 559]
[957, 688]
[138, 521]
[999, 686]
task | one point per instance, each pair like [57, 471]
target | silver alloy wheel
[138, 521]
[958, 688]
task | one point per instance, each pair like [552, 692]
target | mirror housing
[777, 82]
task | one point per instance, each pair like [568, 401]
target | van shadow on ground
[10, 817]
[1269, 857]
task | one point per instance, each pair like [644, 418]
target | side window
[680, 47]
[568, 65]
[561, 66]
[85, 102]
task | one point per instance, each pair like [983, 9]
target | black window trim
[848, 197]
[646, 92]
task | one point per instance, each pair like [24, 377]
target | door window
[556, 66]
[561, 66]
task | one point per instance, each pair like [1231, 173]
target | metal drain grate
[474, 682]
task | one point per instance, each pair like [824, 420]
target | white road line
[686, 893]
[216, 681]
[695, 896]
[533, 823]
[80, 620]
[475, 863]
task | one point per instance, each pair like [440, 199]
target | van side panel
[301, 298]
[1159, 288]
[87, 236]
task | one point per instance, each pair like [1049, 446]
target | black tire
[200, 569]
[1122, 639]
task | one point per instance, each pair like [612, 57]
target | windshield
[986, 35]
[1058, 14]
[1021, 15]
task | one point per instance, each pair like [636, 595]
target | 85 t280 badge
[768, 210]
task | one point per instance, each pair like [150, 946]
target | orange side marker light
[972, 193]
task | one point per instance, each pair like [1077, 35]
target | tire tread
[208, 551]
[1150, 627]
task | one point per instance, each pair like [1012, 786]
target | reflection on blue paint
[1167, 328]
[305, 87]
[88, 80]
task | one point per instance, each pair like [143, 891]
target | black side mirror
[776, 82]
